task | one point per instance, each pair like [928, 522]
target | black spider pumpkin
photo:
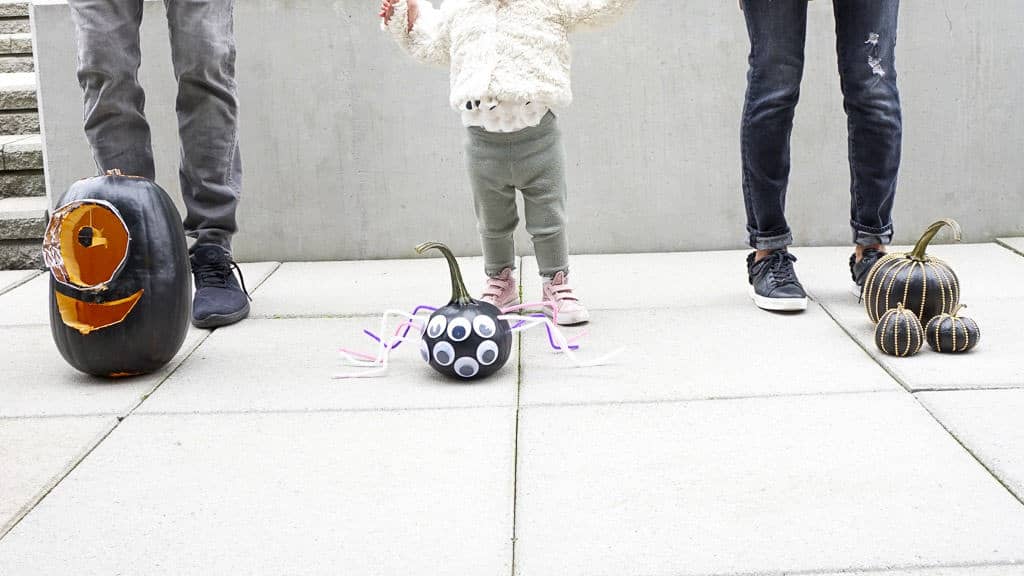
[120, 288]
[952, 333]
[465, 339]
[925, 285]
[899, 332]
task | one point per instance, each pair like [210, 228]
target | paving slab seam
[21, 282]
[375, 409]
[972, 389]
[1008, 247]
[277, 265]
[115, 423]
[870, 569]
[712, 398]
[925, 407]
[58, 478]
[515, 453]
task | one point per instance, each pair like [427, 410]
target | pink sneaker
[570, 311]
[502, 290]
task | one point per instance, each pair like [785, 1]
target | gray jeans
[203, 51]
[533, 162]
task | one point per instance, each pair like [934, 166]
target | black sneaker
[859, 270]
[773, 282]
[219, 300]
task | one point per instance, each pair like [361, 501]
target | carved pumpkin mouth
[87, 316]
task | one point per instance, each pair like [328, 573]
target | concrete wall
[350, 151]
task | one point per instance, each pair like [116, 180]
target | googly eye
[436, 326]
[444, 354]
[458, 329]
[487, 352]
[425, 350]
[484, 326]
[466, 367]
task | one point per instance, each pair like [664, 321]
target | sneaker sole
[778, 304]
[219, 320]
[856, 290]
[566, 319]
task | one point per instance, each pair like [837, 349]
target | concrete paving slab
[1003, 570]
[988, 423]
[412, 492]
[36, 381]
[992, 279]
[698, 353]
[36, 452]
[12, 278]
[28, 303]
[361, 287]
[753, 486]
[674, 280]
[273, 365]
[1015, 244]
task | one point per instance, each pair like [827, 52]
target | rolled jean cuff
[210, 236]
[868, 236]
[493, 271]
[758, 242]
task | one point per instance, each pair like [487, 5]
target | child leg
[540, 172]
[494, 199]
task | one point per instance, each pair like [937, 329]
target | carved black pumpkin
[120, 288]
[465, 339]
[899, 332]
[952, 333]
[925, 285]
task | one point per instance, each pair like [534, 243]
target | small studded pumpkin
[924, 285]
[899, 332]
[120, 288]
[952, 333]
[465, 339]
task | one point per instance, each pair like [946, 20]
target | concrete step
[16, 63]
[18, 91]
[22, 183]
[19, 122]
[21, 255]
[20, 43]
[15, 26]
[23, 218]
[24, 152]
[14, 8]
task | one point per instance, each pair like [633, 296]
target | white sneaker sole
[569, 318]
[856, 290]
[778, 304]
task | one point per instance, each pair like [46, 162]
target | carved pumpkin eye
[487, 352]
[459, 329]
[436, 326]
[484, 326]
[86, 244]
[444, 353]
[466, 367]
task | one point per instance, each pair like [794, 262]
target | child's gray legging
[531, 160]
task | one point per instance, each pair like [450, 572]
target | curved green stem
[459, 293]
[918, 253]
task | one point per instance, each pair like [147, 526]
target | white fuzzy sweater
[508, 50]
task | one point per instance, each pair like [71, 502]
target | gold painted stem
[918, 253]
[459, 293]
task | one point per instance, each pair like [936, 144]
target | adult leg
[866, 42]
[777, 31]
[107, 32]
[203, 50]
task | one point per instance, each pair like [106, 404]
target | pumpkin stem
[957, 309]
[459, 293]
[918, 253]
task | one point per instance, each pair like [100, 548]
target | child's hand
[387, 10]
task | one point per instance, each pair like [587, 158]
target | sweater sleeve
[591, 13]
[428, 41]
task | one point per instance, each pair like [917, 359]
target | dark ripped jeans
[865, 42]
[203, 51]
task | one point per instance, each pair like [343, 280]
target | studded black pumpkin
[120, 288]
[465, 339]
[923, 284]
[952, 333]
[899, 332]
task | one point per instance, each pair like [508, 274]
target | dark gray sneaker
[773, 283]
[859, 270]
[219, 300]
